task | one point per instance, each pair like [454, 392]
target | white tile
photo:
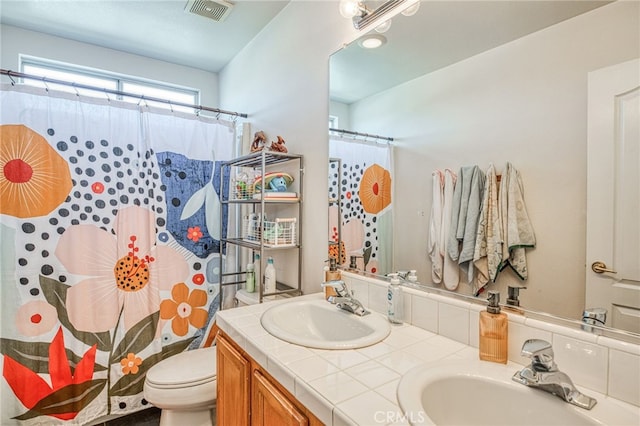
[312, 400]
[312, 368]
[424, 313]
[440, 298]
[518, 334]
[372, 373]
[389, 390]
[619, 345]
[406, 306]
[624, 376]
[254, 329]
[341, 419]
[282, 374]
[343, 358]
[416, 333]
[370, 409]
[453, 322]
[360, 291]
[378, 299]
[288, 353]
[468, 352]
[375, 351]
[474, 330]
[400, 361]
[429, 350]
[585, 363]
[398, 340]
[338, 387]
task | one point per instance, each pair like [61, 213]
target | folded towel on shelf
[467, 199]
[516, 227]
[451, 271]
[487, 254]
[434, 242]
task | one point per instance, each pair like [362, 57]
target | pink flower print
[125, 272]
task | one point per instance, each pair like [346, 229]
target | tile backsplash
[600, 363]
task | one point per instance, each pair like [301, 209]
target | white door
[613, 194]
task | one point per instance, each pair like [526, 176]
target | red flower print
[97, 188]
[194, 234]
[198, 279]
[30, 388]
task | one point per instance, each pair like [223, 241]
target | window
[111, 81]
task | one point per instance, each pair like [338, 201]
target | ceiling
[440, 34]
[159, 29]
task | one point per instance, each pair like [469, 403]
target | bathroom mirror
[480, 83]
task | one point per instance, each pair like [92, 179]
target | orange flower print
[184, 309]
[34, 178]
[130, 364]
[194, 234]
[375, 189]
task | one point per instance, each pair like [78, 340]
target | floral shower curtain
[109, 231]
[365, 181]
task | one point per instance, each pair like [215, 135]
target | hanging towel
[487, 254]
[516, 226]
[436, 252]
[451, 272]
[467, 201]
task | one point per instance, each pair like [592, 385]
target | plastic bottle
[270, 277]
[257, 268]
[394, 300]
[493, 331]
[250, 285]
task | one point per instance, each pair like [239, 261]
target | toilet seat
[190, 368]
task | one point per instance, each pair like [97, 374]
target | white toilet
[184, 388]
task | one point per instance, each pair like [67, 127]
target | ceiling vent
[218, 10]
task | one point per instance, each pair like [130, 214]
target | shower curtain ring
[76, 89]
[170, 106]
[46, 86]
[13, 82]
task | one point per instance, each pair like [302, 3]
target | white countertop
[342, 387]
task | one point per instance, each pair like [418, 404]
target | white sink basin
[319, 324]
[474, 392]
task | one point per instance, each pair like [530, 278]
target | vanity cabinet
[248, 395]
[267, 222]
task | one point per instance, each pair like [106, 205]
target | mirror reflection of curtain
[365, 202]
[110, 232]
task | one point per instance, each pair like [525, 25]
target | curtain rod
[45, 80]
[366, 135]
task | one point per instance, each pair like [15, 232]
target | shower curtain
[109, 230]
[365, 181]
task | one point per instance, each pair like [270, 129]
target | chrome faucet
[543, 373]
[344, 299]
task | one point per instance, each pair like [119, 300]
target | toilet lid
[187, 368]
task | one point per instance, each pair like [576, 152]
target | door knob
[600, 268]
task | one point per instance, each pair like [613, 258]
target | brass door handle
[600, 268]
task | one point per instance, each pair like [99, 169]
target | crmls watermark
[385, 417]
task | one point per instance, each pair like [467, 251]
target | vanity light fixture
[372, 41]
[362, 16]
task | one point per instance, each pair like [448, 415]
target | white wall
[15, 41]
[524, 102]
[282, 80]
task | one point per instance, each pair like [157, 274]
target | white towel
[451, 273]
[467, 202]
[435, 227]
[516, 226]
[487, 254]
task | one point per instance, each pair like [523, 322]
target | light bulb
[384, 27]
[349, 8]
[411, 10]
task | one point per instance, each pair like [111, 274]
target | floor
[148, 417]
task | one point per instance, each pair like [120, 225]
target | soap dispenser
[493, 331]
[331, 274]
[394, 300]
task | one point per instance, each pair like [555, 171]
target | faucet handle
[541, 354]
[339, 285]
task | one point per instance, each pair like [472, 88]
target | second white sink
[319, 324]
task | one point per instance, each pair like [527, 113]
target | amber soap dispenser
[493, 331]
